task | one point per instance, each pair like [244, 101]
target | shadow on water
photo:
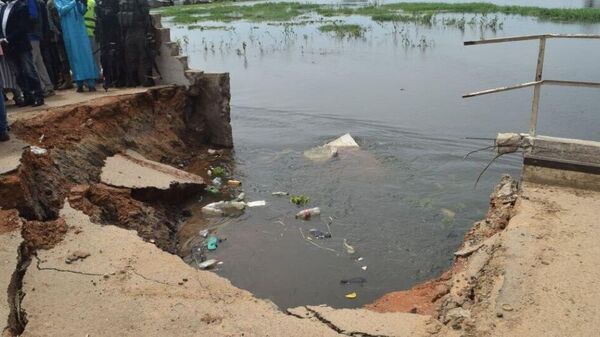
[406, 198]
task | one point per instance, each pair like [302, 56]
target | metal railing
[538, 82]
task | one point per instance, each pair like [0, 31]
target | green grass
[201, 27]
[227, 12]
[343, 30]
[403, 12]
[553, 14]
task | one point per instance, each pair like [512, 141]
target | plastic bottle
[308, 213]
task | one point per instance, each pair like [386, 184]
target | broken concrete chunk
[10, 155]
[468, 250]
[132, 170]
[508, 142]
[76, 255]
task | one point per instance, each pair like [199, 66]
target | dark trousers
[3, 120]
[139, 68]
[27, 77]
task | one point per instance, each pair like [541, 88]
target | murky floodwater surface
[406, 198]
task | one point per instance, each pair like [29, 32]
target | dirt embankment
[163, 124]
[168, 125]
[452, 290]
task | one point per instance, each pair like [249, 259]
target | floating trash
[258, 203]
[212, 242]
[207, 264]
[317, 234]
[308, 213]
[224, 208]
[351, 295]
[349, 249]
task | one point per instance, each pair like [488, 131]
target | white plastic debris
[343, 141]
[306, 214]
[349, 249]
[364, 267]
[207, 264]
[37, 150]
[280, 194]
[258, 203]
[330, 149]
[222, 208]
[359, 259]
[203, 233]
[217, 182]
[241, 197]
[212, 151]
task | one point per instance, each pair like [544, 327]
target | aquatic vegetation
[228, 11]
[343, 30]
[218, 171]
[417, 12]
[201, 27]
[299, 200]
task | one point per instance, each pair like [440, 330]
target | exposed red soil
[37, 189]
[422, 299]
[44, 235]
[9, 221]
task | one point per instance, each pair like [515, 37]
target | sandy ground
[543, 277]
[10, 239]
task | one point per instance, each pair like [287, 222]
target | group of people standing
[48, 45]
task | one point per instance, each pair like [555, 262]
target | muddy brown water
[295, 88]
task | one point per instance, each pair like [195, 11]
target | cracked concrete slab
[132, 170]
[10, 155]
[363, 322]
[128, 287]
[10, 240]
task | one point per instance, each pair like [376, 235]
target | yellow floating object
[351, 296]
[234, 183]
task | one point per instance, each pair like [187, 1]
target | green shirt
[90, 17]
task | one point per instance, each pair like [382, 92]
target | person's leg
[40, 67]
[145, 64]
[14, 61]
[3, 122]
[131, 60]
[32, 78]
[91, 84]
[96, 53]
[65, 69]
[79, 86]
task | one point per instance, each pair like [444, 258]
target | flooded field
[404, 200]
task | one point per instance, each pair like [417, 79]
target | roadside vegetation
[398, 12]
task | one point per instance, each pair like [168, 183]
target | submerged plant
[218, 171]
[420, 12]
[299, 200]
[343, 30]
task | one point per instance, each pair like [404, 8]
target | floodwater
[406, 198]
